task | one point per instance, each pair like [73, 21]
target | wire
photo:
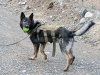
[15, 42]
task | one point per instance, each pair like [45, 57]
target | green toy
[25, 29]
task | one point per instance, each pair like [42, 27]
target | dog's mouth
[26, 29]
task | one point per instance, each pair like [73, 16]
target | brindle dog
[64, 37]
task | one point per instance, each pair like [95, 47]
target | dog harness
[52, 28]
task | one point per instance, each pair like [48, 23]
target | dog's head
[26, 23]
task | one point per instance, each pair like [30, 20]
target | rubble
[88, 15]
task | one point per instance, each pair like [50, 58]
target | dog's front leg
[42, 50]
[36, 48]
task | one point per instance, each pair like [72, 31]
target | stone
[23, 71]
[88, 15]
[75, 18]
[22, 3]
[82, 20]
[51, 5]
[27, 7]
[51, 16]
[83, 11]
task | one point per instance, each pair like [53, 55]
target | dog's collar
[33, 30]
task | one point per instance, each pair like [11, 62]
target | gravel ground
[14, 59]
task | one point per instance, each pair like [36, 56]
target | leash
[15, 42]
[21, 39]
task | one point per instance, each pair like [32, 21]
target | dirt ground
[14, 59]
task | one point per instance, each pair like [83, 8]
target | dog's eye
[24, 21]
[29, 23]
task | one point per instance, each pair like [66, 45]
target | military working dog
[64, 37]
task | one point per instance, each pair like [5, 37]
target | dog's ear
[22, 15]
[31, 16]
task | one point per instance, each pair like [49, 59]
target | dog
[64, 37]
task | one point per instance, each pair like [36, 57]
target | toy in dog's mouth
[25, 29]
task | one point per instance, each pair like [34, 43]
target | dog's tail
[83, 29]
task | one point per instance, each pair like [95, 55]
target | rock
[51, 16]
[23, 71]
[9, 0]
[35, 9]
[88, 15]
[97, 14]
[16, 9]
[22, 3]
[75, 0]
[51, 5]
[27, 7]
[75, 19]
[82, 20]
[63, 11]
[83, 11]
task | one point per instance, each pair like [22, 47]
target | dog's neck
[34, 27]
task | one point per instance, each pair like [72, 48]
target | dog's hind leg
[71, 56]
[68, 60]
[42, 51]
[69, 49]
[66, 46]
[36, 48]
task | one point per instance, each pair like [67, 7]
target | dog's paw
[72, 60]
[31, 58]
[45, 57]
[65, 69]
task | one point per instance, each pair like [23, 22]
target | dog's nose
[27, 26]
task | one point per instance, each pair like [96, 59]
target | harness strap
[54, 43]
[38, 34]
[52, 29]
[53, 39]
[45, 36]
